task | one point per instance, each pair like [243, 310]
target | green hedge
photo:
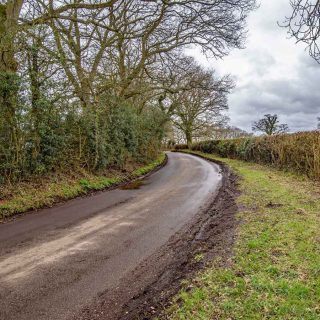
[114, 135]
[298, 152]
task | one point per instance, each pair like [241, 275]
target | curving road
[54, 262]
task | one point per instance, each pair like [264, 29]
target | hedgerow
[298, 152]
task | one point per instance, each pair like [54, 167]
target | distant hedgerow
[297, 152]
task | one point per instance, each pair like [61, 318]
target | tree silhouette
[304, 24]
[270, 125]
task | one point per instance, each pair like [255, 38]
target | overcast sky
[273, 74]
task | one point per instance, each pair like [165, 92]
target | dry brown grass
[298, 152]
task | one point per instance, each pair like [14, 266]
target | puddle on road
[137, 184]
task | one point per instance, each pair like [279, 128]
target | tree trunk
[9, 15]
[9, 84]
[35, 100]
[188, 134]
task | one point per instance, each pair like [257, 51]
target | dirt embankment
[148, 290]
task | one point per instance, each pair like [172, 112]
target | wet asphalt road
[56, 261]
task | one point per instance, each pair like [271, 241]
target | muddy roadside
[148, 290]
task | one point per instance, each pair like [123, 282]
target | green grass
[275, 271]
[145, 169]
[29, 196]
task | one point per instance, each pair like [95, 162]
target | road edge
[147, 291]
[88, 193]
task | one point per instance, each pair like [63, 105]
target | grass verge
[275, 270]
[45, 193]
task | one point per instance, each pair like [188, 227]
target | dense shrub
[180, 146]
[298, 152]
[114, 134]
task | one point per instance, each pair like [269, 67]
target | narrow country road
[56, 261]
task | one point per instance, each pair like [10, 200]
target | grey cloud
[296, 101]
[273, 74]
[261, 61]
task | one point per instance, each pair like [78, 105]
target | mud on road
[145, 292]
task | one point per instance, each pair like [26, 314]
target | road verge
[30, 197]
[274, 272]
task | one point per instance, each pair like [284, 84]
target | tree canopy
[270, 125]
[92, 83]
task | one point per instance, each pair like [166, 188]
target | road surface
[56, 261]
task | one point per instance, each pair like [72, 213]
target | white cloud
[273, 74]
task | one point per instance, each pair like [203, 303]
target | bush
[180, 146]
[298, 152]
[114, 134]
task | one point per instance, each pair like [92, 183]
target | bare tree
[147, 34]
[107, 45]
[76, 61]
[304, 24]
[155, 26]
[18, 14]
[230, 132]
[318, 127]
[270, 125]
[199, 107]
